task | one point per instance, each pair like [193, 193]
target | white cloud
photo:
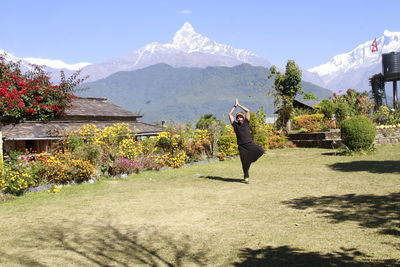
[186, 11]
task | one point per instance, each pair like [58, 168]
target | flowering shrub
[31, 96]
[130, 149]
[264, 132]
[311, 123]
[113, 135]
[155, 162]
[24, 163]
[386, 116]
[124, 165]
[170, 142]
[227, 144]
[79, 170]
[197, 144]
[15, 182]
[177, 160]
[89, 133]
[62, 169]
[279, 140]
[358, 103]
[54, 170]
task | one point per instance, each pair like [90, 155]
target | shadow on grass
[108, 245]
[218, 178]
[386, 166]
[372, 211]
[287, 256]
[19, 260]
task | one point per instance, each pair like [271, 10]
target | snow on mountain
[189, 41]
[56, 64]
[187, 49]
[47, 63]
[360, 63]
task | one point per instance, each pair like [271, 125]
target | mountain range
[189, 49]
[162, 92]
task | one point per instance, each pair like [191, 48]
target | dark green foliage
[358, 133]
[377, 83]
[254, 124]
[90, 152]
[161, 92]
[206, 121]
[342, 111]
[327, 108]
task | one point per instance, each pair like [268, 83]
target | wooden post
[395, 95]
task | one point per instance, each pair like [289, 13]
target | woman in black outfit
[249, 151]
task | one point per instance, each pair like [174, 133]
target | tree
[377, 83]
[286, 86]
[31, 95]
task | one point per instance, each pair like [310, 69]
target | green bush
[342, 111]
[89, 152]
[227, 144]
[358, 133]
[262, 137]
[327, 108]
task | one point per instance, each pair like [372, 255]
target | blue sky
[310, 32]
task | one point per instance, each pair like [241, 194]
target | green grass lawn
[303, 207]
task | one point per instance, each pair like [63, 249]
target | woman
[249, 151]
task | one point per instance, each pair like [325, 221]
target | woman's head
[239, 117]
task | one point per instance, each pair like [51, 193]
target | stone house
[39, 136]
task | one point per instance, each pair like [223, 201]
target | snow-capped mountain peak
[186, 49]
[361, 56]
[187, 40]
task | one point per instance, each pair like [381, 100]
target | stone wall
[387, 136]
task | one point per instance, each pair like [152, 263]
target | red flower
[31, 111]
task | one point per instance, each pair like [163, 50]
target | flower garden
[91, 152]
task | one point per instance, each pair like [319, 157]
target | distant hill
[161, 92]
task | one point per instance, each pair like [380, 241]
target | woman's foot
[246, 180]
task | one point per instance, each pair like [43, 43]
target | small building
[306, 103]
[39, 136]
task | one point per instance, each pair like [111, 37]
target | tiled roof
[48, 130]
[97, 107]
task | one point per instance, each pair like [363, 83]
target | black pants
[249, 153]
